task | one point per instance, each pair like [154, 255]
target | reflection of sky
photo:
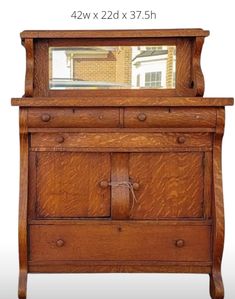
[60, 69]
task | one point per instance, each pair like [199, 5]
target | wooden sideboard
[120, 167]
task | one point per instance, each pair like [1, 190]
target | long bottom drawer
[137, 241]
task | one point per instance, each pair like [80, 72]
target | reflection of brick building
[101, 64]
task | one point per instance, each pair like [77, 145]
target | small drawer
[170, 117]
[121, 140]
[121, 241]
[73, 118]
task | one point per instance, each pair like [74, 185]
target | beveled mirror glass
[114, 67]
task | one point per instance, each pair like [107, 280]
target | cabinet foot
[216, 286]
[22, 288]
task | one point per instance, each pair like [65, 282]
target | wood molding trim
[113, 33]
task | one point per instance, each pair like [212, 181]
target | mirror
[114, 67]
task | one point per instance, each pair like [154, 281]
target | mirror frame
[189, 77]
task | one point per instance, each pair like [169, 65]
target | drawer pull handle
[179, 243]
[60, 243]
[60, 139]
[45, 117]
[181, 139]
[104, 184]
[136, 186]
[142, 117]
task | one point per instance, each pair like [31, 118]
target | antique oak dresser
[120, 155]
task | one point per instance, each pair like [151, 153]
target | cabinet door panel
[170, 185]
[68, 184]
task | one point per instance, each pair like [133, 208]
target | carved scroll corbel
[197, 75]
[28, 44]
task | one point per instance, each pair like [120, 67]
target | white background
[218, 63]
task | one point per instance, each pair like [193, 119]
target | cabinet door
[67, 184]
[171, 185]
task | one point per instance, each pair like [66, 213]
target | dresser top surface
[186, 32]
[121, 102]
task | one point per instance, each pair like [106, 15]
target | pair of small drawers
[129, 117]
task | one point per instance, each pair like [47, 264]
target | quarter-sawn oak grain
[120, 180]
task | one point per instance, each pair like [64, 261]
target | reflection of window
[138, 80]
[153, 79]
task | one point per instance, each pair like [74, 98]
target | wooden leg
[216, 282]
[23, 205]
[22, 288]
[216, 286]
